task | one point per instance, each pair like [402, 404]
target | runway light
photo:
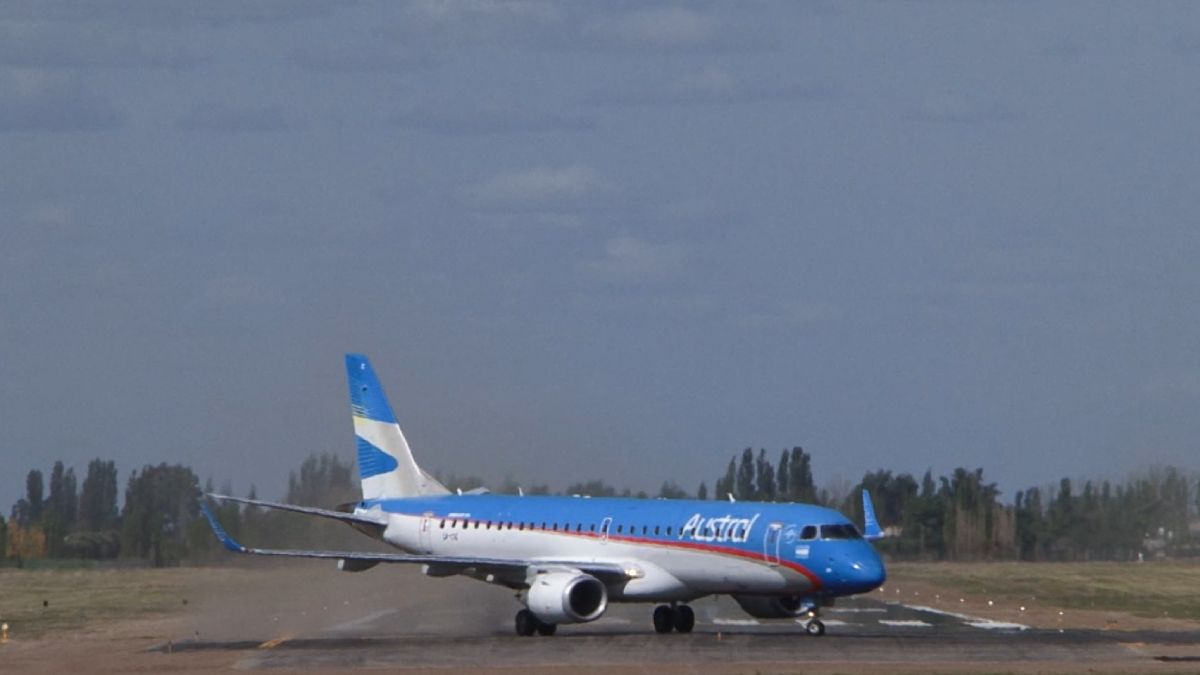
[3, 633]
[990, 603]
[961, 600]
[1022, 608]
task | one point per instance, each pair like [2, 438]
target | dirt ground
[274, 604]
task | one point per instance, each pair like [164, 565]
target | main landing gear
[527, 624]
[679, 617]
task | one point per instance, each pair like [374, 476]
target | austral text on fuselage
[725, 528]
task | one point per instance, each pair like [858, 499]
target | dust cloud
[262, 602]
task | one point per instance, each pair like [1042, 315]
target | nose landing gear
[680, 618]
[815, 628]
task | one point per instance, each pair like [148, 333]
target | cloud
[357, 58]
[540, 186]
[220, 118]
[628, 259]
[712, 85]
[959, 108]
[168, 12]
[658, 27]
[475, 22]
[233, 290]
[50, 216]
[464, 121]
[37, 44]
[37, 101]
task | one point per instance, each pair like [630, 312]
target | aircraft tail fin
[871, 529]
[385, 462]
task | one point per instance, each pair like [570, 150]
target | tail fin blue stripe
[366, 395]
[372, 461]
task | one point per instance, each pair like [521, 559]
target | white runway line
[973, 621]
[856, 610]
[370, 618]
[827, 622]
[915, 623]
[988, 624]
[735, 622]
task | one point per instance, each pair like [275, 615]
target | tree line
[954, 517]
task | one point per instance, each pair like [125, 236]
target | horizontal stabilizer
[360, 518]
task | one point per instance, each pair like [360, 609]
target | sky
[616, 240]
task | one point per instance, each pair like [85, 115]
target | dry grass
[42, 602]
[1152, 589]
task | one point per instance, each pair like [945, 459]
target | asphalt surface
[862, 631]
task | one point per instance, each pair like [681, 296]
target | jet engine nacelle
[566, 597]
[776, 606]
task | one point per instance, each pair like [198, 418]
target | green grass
[1152, 589]
[40, 602]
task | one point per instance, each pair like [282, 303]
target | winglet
[223, 536]
[871, 530]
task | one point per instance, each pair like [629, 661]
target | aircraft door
[771, 541]
[425, 534]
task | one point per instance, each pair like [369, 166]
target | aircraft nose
[866, 573]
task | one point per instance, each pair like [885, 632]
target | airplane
[567, 558]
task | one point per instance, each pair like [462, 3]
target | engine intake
[775, 606]
[566, 597]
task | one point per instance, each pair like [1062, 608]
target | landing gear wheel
[685, 619]
[546, 628]
[815, 628]
[527, 623]
[664, 619]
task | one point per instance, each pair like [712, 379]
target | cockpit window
[809, 532]
[846, 531]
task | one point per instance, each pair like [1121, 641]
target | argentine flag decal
[371, 460]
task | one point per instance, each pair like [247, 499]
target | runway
[863, 632]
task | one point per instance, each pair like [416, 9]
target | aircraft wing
[596, 568]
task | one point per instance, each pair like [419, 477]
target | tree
[702, 491]
[727, 484]
[781, 477]
[26, 543]
[801, 486]
[98, 498]
[744, 488]
[58, 518]
[670, 490]
[3, 539]
[593, 488]
[325, 480]
[764, 474]
[160, 504]
[34, 491]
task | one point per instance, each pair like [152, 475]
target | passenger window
[579, 527]
[593, 527]
[656, 529]
[645, 530]
[668, 530]
[620, 529]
